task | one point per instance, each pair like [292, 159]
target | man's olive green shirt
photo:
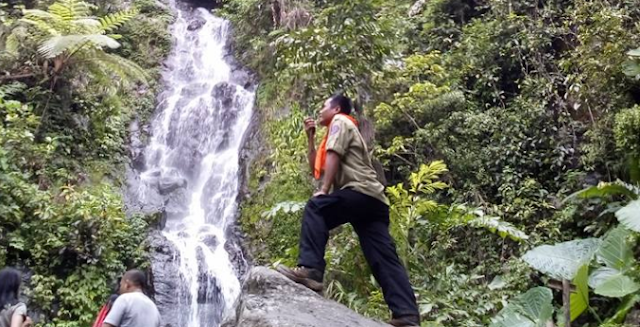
[356, 171]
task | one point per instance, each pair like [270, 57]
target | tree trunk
[566, 301]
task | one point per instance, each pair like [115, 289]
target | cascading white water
[193, 156]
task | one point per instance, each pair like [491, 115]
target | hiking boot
[405, 321]
[309, 277]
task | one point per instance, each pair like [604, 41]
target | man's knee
[311, 210]
[313, 205]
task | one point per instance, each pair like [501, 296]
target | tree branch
[19, 76]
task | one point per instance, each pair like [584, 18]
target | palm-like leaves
[69, 33]
[57, 45]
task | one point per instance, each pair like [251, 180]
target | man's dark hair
[343, 102]
[136, 277]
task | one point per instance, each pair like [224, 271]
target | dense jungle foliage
[509, 134]
[73, 74]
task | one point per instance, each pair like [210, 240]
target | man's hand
[310, 127]
[319, 193]
[27, 322]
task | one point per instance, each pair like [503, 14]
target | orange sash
[321, 154]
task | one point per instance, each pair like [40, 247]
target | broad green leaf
[579, 300]
[536, 304]
[601, 275]
[497, 283]
[615, 252]
[617, 286]
[634, 53]
[562, 261]
[509, 317]
[631, 68]
[501, 227]
[285, 207]
[605, 189]
[629, 215]
[531, 309]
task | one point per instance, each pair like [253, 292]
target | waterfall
[191, 164]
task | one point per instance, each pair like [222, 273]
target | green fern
[71, 36]
[40, 24]
[11, 89]
[57, 45]
[70, 10]
[114, 21]
[12, 42]
[123, 68]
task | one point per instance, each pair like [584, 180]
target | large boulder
[165, 278]
[271, 300]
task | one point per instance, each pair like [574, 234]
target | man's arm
[311, 155]
[330, 170]
[310, 129]
[114, 318]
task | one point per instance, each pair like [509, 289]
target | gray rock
[169, 184]
[165, 278]
[271, 300]
[196, 24]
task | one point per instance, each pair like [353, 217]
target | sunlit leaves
[562, 260]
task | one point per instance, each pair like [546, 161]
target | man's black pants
[370, 219]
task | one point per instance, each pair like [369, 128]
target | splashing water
[192, 161]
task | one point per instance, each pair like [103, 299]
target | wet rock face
[270, 300]
[166, 278]
[196, 24]
[168, 184]
[167, 193]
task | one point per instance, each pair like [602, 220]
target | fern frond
[11, 89]
[124, 69]
[60, 44]
[69, 10]
[13, 41]
[100, 77]
[39, 14]
[40, 24]
[114, 21]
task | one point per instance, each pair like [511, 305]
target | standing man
[132, 308]
[350, 193]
